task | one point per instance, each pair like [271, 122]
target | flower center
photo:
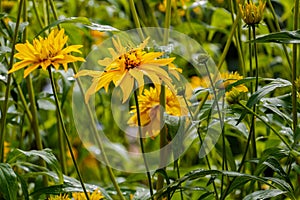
[133, 59]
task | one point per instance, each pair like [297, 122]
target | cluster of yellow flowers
[96, 195]
[126, 69]
[224, 79]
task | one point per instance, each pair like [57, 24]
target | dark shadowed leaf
[8, 182]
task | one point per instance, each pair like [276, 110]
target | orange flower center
[132, 59]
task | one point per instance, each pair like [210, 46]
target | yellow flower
[251, 13]
[6, 149]
[59, 197]
[230, 78]
[96, 195]
[149, 105]
[128, 65]
[226, 77]
[45, 52]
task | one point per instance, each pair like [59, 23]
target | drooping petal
[139, 77]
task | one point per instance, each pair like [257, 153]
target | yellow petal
[139, 77]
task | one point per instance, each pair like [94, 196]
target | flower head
[149, 105]
[96, 195]
[252, 14]
[59, 197]
[127, 65]
[45, 52]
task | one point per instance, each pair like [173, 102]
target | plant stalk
[9, 77]
[65, 132]
[141, 142]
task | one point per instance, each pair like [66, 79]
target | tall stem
[9, 77]
[141, 141]
[294, 70]
[65, 131]
[221, 121]
[136, 19]
[253, 140]
[99, 141]
[94, 128]
[229, 40]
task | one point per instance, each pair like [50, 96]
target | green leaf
[70, 185]
[80, 20]
[286, 37]
[8, 182]
[264, 194]
[100, 27]
[45, 154]
[259, 94]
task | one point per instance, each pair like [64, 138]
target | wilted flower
[45, 52]
[128, 65]
[252, 14]
[149, 106]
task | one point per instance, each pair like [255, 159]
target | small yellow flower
[96, 195]
[149, 105]
[251, 13]
[45, 52]
[59, 197]
[128, 65]
[297, 85]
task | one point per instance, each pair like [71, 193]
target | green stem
[294, 71]
[238, 42]
[136, 19]
[141, 141]
[9, 77]
[99, 141]
[221, 121]
[65, 132]
[37, 14]
[267, 124]
[253, 140]
[201, 141]
[163, 130]
[167, 22]
[278, 29]
[229, 40]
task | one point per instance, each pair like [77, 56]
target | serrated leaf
[263, 194]
[285, 37]
[8, 182]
